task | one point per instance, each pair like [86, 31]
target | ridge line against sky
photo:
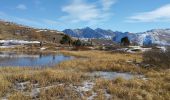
[117, 15]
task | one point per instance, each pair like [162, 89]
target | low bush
[157, 58]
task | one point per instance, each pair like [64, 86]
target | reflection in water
[40, 55]
[53, 57]
[32, 60]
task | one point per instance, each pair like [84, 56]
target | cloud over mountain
[82, 11]
[159, 14]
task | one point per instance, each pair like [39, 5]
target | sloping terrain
[10, 30]
[13, 31]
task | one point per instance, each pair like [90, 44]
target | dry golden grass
[102, 61]
[100, 65]
[19, 96]
[155, 87]
[100, 95]
[104, 54]
[45, 77]
[59, 92]
[4, 86]
[21, 48]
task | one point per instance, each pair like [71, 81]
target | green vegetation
[125, 41]
[77, 43]
[66, 40]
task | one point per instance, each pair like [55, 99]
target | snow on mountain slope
[118, 37]
[90, 33]
[71, 33]
[155, 36]
[106, 33]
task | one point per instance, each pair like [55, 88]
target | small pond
[114, 75]
[31, 60]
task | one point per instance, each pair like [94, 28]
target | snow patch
[114, 75]
[17, 42]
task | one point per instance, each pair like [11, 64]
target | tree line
[67, 40]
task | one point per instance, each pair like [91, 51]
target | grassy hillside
[10, 30]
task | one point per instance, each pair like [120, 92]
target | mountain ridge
[9, 30]
[154, 36]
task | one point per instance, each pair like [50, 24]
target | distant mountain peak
[154, 36]
[88, 28]
[88, 32]
[98, 29]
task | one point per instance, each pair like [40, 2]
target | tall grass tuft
[157, 58]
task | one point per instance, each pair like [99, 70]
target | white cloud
[107, 4]
[21, 7]
[159, 14]
[79, 11]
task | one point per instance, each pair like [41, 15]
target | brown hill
[9, 30]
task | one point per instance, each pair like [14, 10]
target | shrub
[125, 41]
[66, 40]
[77, 43]
[157, 58]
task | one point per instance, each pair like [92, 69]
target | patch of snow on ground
[114, 75]
[17, 42]
[35, 91]
[14, 55]
[86, 86]
[162, 48]
[43, 48]
[139, 48]
[133, 49]
[11, 46]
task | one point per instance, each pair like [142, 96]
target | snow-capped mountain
[90, 33]
[118, 37]
[155, 36]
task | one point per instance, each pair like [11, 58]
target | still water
[31, 60]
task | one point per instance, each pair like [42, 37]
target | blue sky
[117, 15]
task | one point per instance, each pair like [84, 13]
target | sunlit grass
[43, 77]
[46, 76]
[19, 96]
[155, 86]
[4, 86]
[102, 61]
